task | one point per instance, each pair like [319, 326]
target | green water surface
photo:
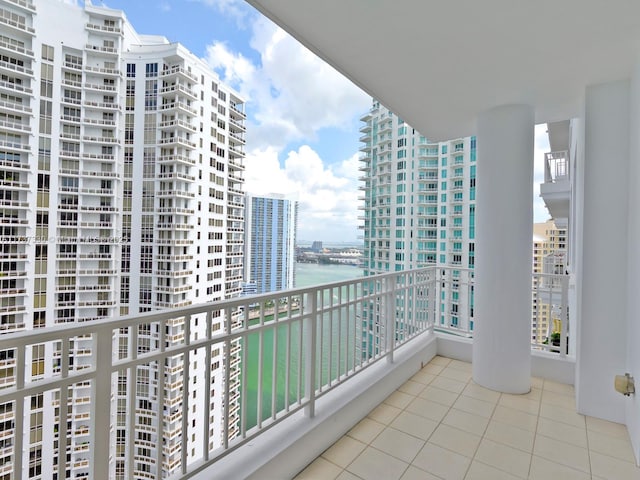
[260, 348]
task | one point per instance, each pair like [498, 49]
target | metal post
[19, 412]
[391, 283]
[564, 315]
[102, 405]
[311, 321]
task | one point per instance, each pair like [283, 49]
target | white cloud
[541, 146]
[291, 93]
[235, 9]
[327, 196]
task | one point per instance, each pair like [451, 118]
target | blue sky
[302, 128]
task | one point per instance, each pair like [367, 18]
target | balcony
[556, 189]
[104, 28]
[16, 47]
[27, 5]
[341, 349]
[440, 424]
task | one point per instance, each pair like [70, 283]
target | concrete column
[602, 327]
[504, 231]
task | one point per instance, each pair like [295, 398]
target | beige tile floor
[441, 425]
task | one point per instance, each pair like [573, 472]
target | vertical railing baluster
[331, 313]
[63, 440]
[390, 320]
[310, 355]
[260, 370]
[101, 431]
[320, 333]
[357, 325]
[227, 378]
[538, 309]
[303, 308]
[161, 373]
[186, 382]
[564, 314]
[206, 425]
[20, 417]
[287, 356]
[131, 385]
[243, 373]
[339, 359]
[274, 360]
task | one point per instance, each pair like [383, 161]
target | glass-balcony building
[270, 239]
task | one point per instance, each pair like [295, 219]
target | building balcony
[177, 124]
[12, 107]
[13, 87]
[19, 26]
[103, 71]
[27, 5]
[14, 146]
[178, 88]
[101, 105]
[440, 424]
[174, 193]
[235, 125]
[178, 71]
[104, 28]
[353, 345]
[235, 138]
[556, 189]
[177, 176]
[15, 47]
[236, 112]
[177, 141]
[96, 86]
[176, 158]
[109, 51]
[101, 139]
[179, 106]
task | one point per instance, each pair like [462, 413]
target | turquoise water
[306, 275]
[309, 274]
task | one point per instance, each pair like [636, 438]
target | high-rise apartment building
[270, 241]
[549, 257]
[419, 205]
[121, 191]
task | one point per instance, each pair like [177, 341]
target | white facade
[121, 160]
[419, 204]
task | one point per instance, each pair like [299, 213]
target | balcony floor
[441, 425]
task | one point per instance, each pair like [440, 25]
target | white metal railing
[263, 358]
[556, 166]
[550, 313]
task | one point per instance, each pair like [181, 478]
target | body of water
[310, 274]
[260, 348]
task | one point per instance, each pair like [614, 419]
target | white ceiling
[437, 63]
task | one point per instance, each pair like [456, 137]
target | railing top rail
[73, 329]
[550, 275]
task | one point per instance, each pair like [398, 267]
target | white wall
[632, 403]
[601, 352]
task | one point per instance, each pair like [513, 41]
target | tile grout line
[535, 432]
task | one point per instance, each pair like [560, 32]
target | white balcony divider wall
[297, 346]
